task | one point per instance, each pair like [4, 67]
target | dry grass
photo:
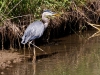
[6, 58]
[75, 19]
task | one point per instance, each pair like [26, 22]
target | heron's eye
[48, 16]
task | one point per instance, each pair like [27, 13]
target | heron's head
[47, 14]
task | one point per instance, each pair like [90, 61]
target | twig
[94, 25]
[18, 16]
[14, 7]
[95, 34]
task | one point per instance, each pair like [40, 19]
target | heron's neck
[46, 25]
[45, 21]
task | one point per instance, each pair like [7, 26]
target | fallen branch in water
[94, 26]
[94, 35]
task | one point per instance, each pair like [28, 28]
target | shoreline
[7, 58]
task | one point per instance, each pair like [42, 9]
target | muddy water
[71, 55]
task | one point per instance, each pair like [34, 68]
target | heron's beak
[56, 15]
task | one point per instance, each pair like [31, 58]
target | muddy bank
[7, 58]
[70, 21]
[74, 53]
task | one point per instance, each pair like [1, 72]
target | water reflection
[72, 55]
[97, 33]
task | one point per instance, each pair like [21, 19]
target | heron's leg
[34, 56]
[24, 51]
[29, 47]
[37, 47]
[34, 68]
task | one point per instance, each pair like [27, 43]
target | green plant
[13, 8]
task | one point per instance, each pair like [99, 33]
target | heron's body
[33, 31]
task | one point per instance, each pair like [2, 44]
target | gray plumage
[33, 31]
[36, 29]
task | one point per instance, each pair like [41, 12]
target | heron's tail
[24, 41]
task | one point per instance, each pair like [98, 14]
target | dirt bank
[7, 58]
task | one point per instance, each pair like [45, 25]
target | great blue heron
[35, 30]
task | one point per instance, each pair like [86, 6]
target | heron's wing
[27, 35]
[33, 31]
[37, 30]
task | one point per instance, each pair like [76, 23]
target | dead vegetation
[70, 21]
[9, 33]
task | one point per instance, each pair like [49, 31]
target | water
[70, 55]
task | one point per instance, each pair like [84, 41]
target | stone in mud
[2, 73]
